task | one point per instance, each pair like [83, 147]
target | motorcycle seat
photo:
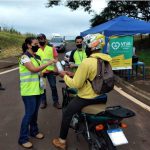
[94, 109]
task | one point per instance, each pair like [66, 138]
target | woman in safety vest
[31, 89]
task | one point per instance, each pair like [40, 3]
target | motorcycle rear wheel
[100, 142]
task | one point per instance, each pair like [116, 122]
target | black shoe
[57, 105]
[1, 88]
[43, 105]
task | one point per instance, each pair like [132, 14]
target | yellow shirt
[86, 70]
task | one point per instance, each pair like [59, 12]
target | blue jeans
[29, 125]
[52, 82]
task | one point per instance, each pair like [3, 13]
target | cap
[41, 36]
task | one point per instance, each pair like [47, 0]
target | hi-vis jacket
[46, 55]
[29, 81]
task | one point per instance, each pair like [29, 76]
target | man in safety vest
[48, 53]
[78, 54]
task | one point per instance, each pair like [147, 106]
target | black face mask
[35, 48]
[88, 51]
[79, 46]
[42, 43]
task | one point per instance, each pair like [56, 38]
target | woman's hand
[54, 61]
[50, 62]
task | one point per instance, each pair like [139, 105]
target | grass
[144, 56]
[10, 44]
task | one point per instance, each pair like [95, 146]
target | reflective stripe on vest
[27, 73]
[79, 56]
[46, 55]
[29, 82]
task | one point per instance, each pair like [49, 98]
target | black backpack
[104, 79]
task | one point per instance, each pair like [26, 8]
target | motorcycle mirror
[63, 62]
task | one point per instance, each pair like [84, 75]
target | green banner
[121, 51]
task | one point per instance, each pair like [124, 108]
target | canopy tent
[122, 25]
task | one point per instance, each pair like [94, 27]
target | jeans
[52, 82]
[29, 126]
[75, 106]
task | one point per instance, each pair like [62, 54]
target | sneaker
[57, 105]
[27, 145]
[1, 88]
[39, 136]
[43, 105]
[56, 142]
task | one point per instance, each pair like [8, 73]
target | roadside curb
[9, 62]
[132, 88]
[8, 66]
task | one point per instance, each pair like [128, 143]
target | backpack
[104, 79]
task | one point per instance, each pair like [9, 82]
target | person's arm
[55, 53]
[32, 68]
[79, 78]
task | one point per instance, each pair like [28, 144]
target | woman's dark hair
[28, 40]
[78, 37]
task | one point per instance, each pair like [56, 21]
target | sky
[33, 17]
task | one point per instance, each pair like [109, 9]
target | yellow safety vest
[79, 56]
[29, 82]
[46, 55]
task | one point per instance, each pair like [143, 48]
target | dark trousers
[52, 82]
[29, 124]
[75, 106]
[43, 97]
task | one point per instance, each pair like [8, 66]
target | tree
[135, 9]
[72, 4]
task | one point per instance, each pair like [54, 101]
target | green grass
[144, 56]
[10, 44]
[10, 40]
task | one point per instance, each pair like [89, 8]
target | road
[11, 112]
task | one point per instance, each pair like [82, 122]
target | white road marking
[146, 107]
[4, 72]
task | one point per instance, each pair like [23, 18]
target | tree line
[115, 8]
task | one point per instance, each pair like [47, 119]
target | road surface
[11, 112]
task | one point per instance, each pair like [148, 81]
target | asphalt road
[11, 112]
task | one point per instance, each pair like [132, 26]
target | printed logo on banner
[115, 45]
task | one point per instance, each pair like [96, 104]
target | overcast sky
[32, 16]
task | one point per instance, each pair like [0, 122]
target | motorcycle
[101, 126]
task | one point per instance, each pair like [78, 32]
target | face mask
[42, 43]
[79, 46]
[35, 48]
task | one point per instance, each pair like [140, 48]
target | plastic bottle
[42, 84]
[59, 66]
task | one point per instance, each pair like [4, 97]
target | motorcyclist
[86, 95]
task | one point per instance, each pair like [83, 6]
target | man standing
[78, 54]
[47, 53]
